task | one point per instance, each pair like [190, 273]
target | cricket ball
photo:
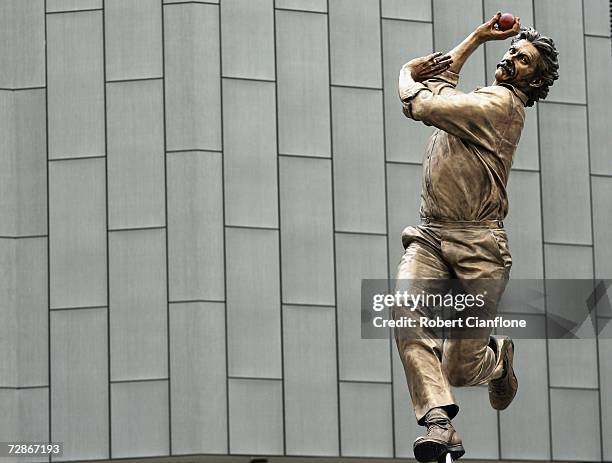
[505, 22]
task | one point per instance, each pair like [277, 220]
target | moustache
[507, 66]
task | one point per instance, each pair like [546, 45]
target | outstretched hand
[426, 67]
[487, 31]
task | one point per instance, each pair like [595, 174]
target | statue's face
[519, 66]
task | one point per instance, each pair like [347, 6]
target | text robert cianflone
[426, 322]
[411, 301]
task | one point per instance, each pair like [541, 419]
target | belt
[462, 223]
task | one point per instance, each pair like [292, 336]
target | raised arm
[483, 33]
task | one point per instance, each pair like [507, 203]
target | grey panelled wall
[191, 192]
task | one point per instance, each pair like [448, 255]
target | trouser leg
[481, 259]
[420, 350]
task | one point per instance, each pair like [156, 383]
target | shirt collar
[522, 96]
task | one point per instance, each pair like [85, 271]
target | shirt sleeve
[476, 117]
[444, 83]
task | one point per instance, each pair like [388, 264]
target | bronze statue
[463, 203]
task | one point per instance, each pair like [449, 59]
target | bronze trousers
[441, 251]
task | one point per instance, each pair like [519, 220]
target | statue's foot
[503, 390]
[441, 439]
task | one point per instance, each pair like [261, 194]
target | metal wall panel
[454, 21]
[138, 304]
[581, 354]
[405, 139]
[75, 84]
[480, 441]
[11, 419]
[307, 245]
[575, 425]
[198, 378]
[527, 152]
[571, 262]
[195, 226]
[570, 43]
[77, 233]
[139, 413]
[22, 52]
[8, 329]
[192, 76]
[302, 83]
[565, 261]
[249, 156]
[404, 198]
[247, 38]
[133, 34]
[136, 196]
[524, 225]
[25, 329]
[599, 68]
[602, 223]
[419, 10]
[565, 185]
[25, 418]
[311, 395]
[23, 163]
[358, 257]
[354, 41]
[79, 382]
[365, 415]
[597, 17]
[359, 160]
[31, 304]
[255, 416]
[253, 303]
[10, 180]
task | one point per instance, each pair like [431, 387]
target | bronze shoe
[503, 390]
[441, 438]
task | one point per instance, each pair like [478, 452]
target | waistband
[462, 223]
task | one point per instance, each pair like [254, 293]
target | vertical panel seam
[168, 345]
[278, 218]
[542, 225]
[227, 392]
[588, 138]
[49, 412]
[433, 33]
[387, 248]
[108, 337]
[331, 149]
[485, 83]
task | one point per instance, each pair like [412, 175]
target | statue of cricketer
[463, 202]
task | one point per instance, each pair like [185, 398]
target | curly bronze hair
[548, 67]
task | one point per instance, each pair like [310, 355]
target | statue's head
[530, 64]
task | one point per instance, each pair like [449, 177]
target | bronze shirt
[469, 155]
